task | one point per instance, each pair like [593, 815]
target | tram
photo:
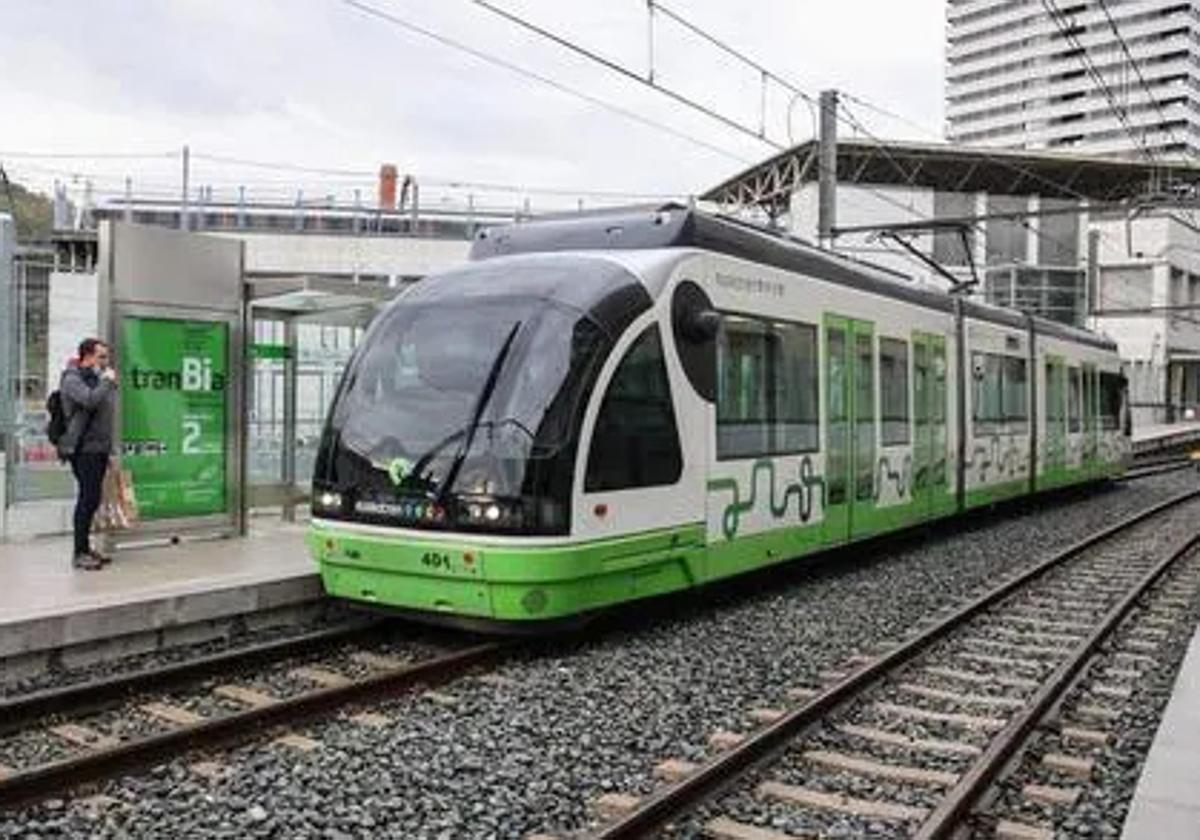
[607, 408]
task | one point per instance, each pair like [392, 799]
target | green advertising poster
[174, 387]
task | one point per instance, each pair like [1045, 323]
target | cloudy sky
[325, 85]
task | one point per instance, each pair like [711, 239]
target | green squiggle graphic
[803, 490]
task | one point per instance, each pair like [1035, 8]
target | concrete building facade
[1119, 78]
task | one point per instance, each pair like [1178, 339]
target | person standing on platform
[89, 394]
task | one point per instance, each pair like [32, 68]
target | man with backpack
[83, 416]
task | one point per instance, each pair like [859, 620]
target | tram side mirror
[701, 325]
[696, 323]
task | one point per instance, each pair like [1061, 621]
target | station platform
[1166, 804]
[1164, 437]
[148, 598]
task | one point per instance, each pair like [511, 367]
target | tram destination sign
[174, 389]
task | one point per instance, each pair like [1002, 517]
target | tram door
[1090, 417]
[929, 414]
[850, 427]
[1055, 444]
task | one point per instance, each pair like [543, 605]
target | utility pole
[183, 193]
[827, 156]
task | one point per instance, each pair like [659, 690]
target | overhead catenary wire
[402, 23]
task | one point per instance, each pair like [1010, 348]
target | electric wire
[494, 60]
[1137, 69]
[1068, 34]
[624, 71]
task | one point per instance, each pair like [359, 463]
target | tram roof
[675, 226]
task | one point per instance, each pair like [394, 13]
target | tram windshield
[463, 410]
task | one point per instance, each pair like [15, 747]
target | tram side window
[1074, 400]
[1112, 388]
[1001, 396]
[893, 390]
[766, 388]
[635, 442]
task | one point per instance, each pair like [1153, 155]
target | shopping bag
[127, 498]
[116, 502]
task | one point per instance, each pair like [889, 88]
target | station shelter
[226, 378]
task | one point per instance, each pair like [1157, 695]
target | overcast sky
[318, 83]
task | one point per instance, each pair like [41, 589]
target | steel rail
[19, 710]
[962, 798]
[671, 802]
[1155, 469]
[47, 780]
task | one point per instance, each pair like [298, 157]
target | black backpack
[57, 426]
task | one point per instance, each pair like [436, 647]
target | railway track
[913, 741]
[56, 740]
[1148, 470]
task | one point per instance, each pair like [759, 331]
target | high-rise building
[1107, 77]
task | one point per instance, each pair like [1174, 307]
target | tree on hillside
[34, 212]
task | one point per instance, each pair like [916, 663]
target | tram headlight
[492, 513]
[328, 501]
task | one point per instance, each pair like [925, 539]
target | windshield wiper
[485, 395]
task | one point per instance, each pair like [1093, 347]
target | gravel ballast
[585, 717]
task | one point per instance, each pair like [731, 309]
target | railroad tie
[1084, 735]
[896, 739]
[1080, 768]
[497, 680]
[1111, 692]
[447, 700]
[378, 661]
[1018, 648]
[613, 806]
[840, 803]
[83, 736]
[295, 741]
[246, 696]
[1036, 635]
[213, 771]
[97, 803]
[1119, 674]
[1009, 830]
[1051, 794]
[674, 769]
[725, 740]
[1136, 658]
[176, 715]
[986, 724]
[996, 702]
[801, 692]
[1140, 645]
[1001, 661]
[1094, 710]
[372, 719]
[723, 828]
[319, 676]
[765, 715]
[981, 679]
[1047, 624]
[882, 770]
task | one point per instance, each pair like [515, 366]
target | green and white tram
[608, 408]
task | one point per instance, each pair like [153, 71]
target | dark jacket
[89, 404]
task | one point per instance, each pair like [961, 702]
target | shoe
[87, 562]
[103, 558]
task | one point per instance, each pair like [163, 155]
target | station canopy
[963, 169]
